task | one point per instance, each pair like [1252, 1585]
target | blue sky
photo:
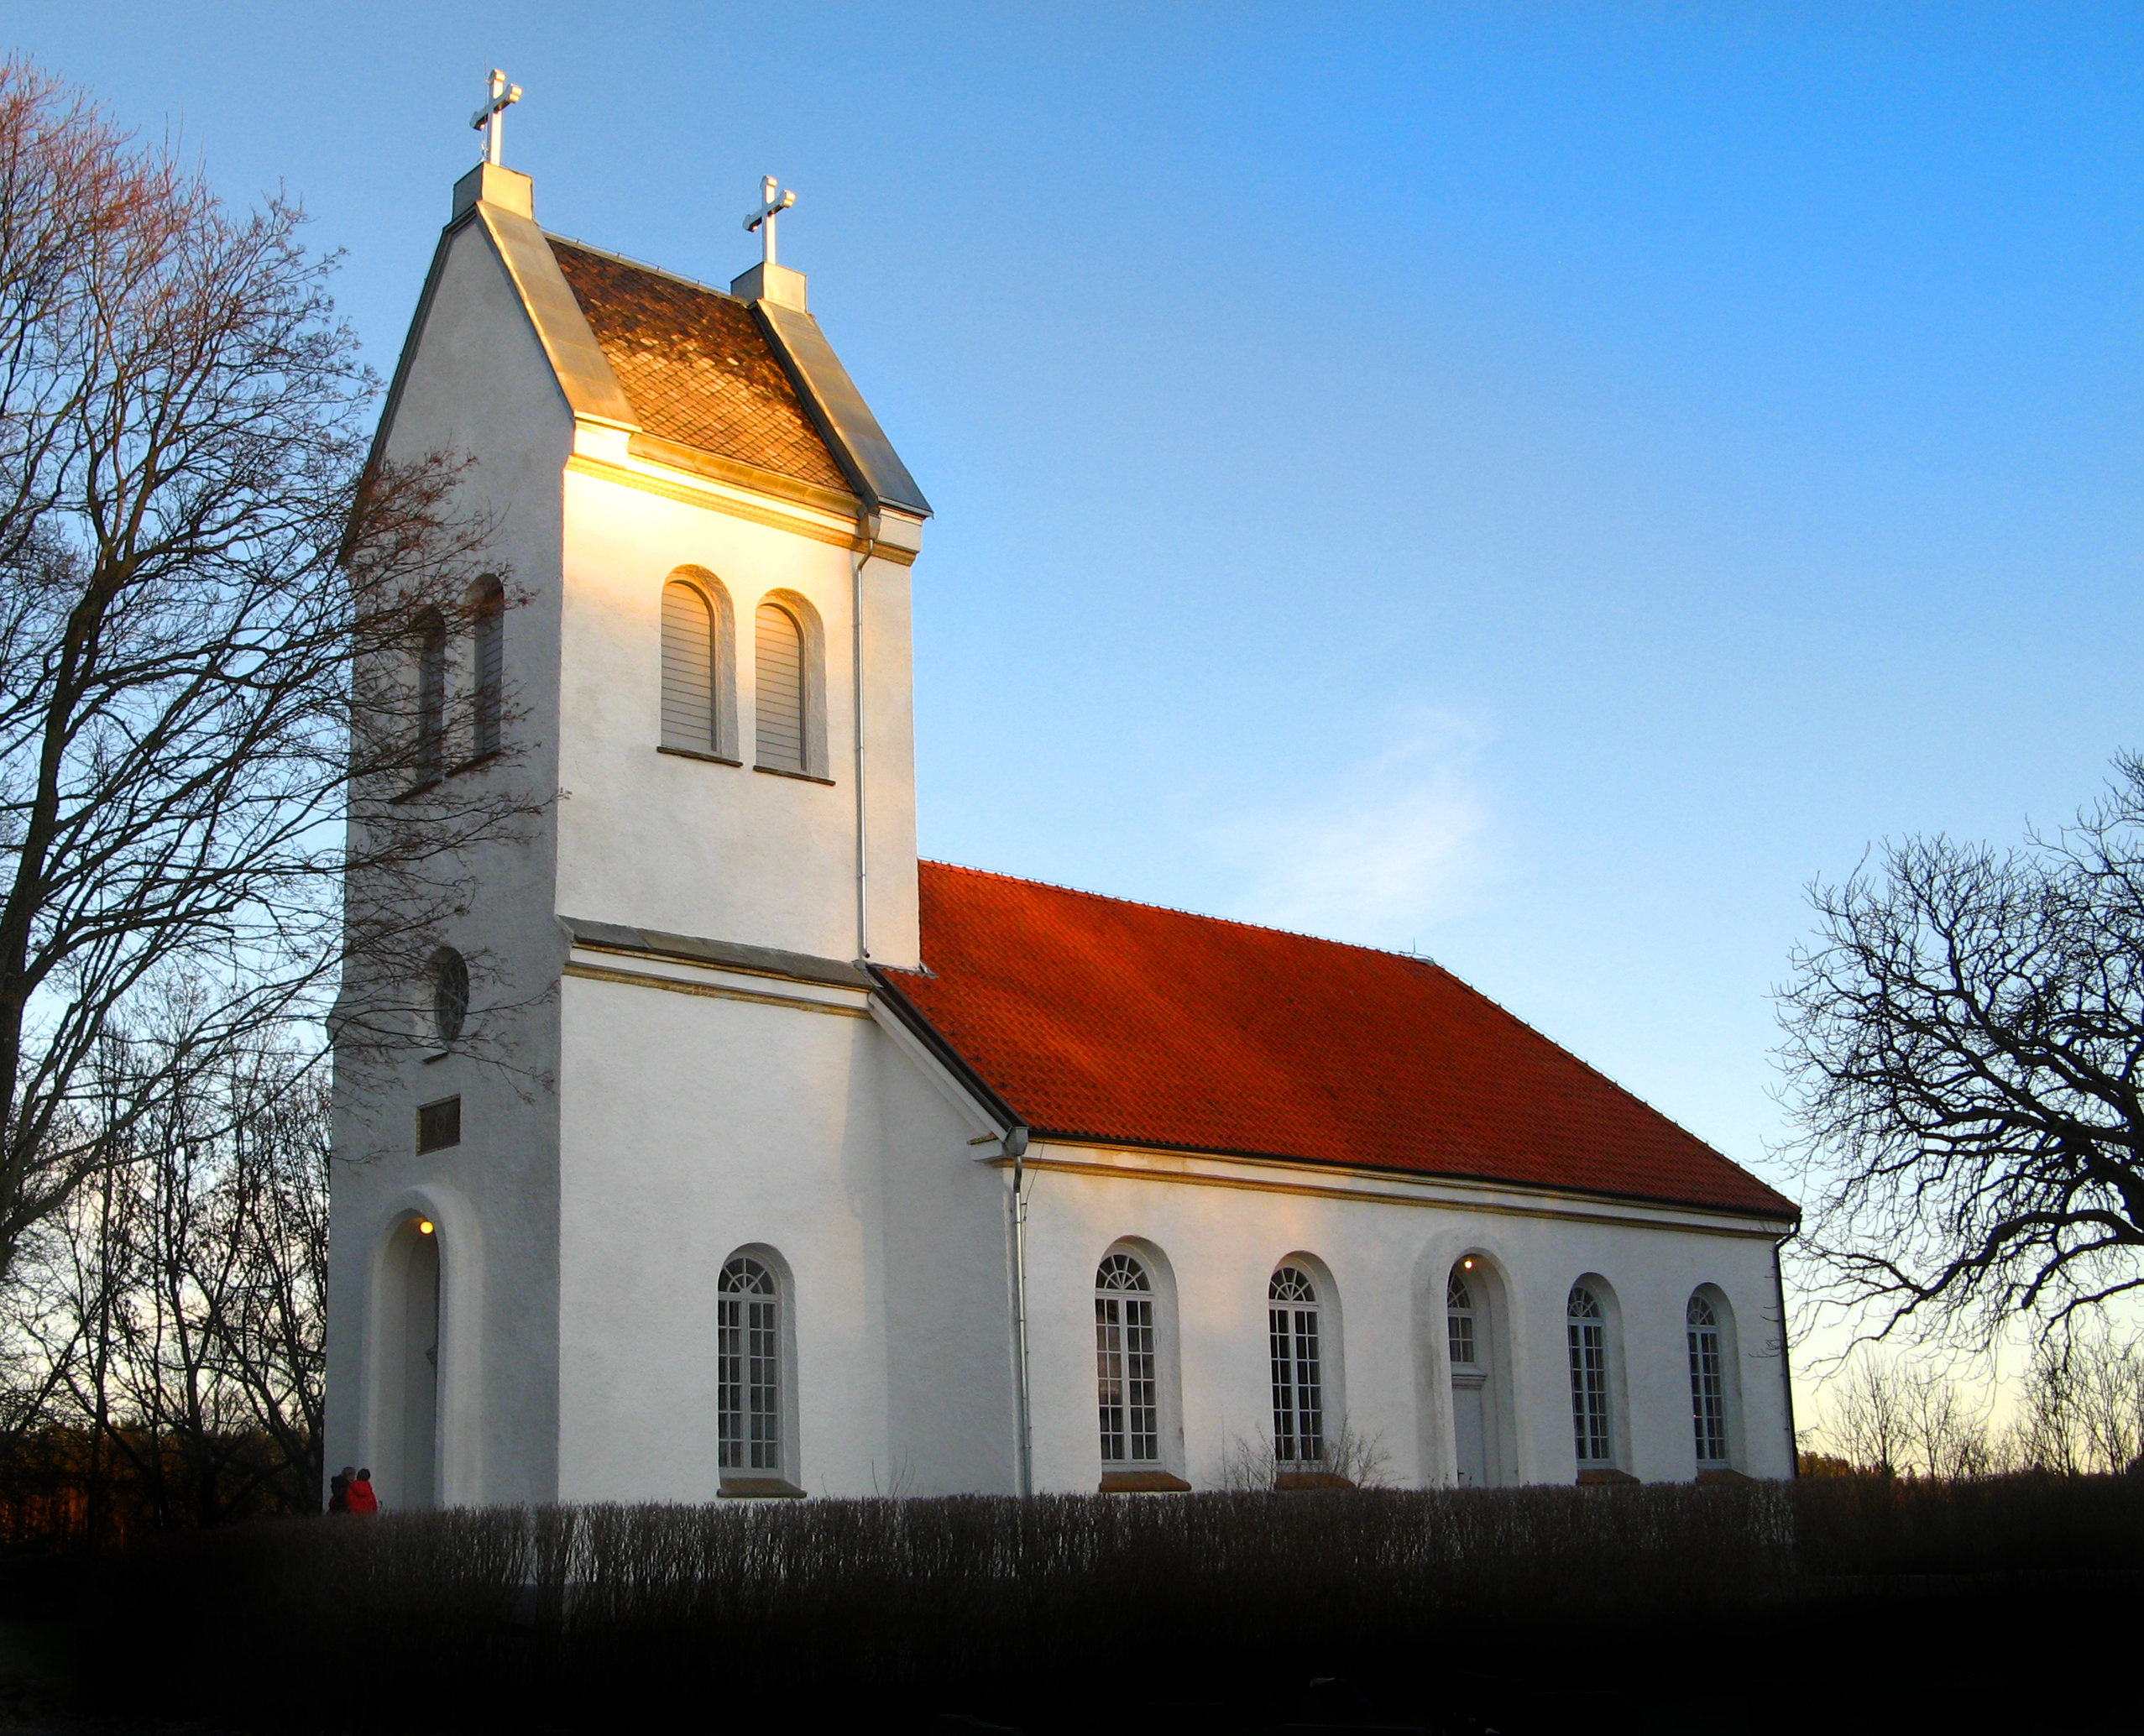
[1537, 484]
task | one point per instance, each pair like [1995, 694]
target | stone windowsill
[801, 776]
[1287, 1481]
[1142, 1483]
[759, 1488]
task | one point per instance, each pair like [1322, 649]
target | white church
[852, 1174]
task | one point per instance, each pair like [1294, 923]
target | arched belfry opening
[406, 1455]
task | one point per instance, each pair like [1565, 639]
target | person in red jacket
[360, 1496]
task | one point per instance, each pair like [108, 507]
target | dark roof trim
[947, 1057]
[729, 954]
[838, 411]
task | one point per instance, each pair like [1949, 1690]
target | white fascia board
[949, 1086]
[1396, 1187]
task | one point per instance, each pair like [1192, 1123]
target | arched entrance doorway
[407, 1453]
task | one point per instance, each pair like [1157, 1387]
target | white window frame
[1128, 1363]
[1462, 1323]
[752, 1371]
[1593, 1421]
[1295, 1342]
[1706, 1338]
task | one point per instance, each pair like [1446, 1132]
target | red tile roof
[695, 366]
[1096, 1019]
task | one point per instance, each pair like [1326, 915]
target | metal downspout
[867, 538]
[1016, 1148]
[1786, 1368]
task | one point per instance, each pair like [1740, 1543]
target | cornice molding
[1385, 1187]
[691, 494]
[712, 991]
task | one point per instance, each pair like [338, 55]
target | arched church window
[1124, 1364]
[432, 694]
[1459, 1319]
[748, 1372]
[450, 995]
[688, 670]
[1586, 1330]
[490, 667]
[1298, 1376]
[1474, 1408]
[782, 698]
[1708, 1384]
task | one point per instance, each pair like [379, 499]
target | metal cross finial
[490, 120]
[763, 219]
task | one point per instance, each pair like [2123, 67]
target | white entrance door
[1470, 1429]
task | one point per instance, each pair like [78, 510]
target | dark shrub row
[566, 1616]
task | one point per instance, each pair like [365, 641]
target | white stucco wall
[695, 848]
[478, 385]
[1223, 1227]
[734, 1112]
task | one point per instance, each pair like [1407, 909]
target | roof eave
[838, 411]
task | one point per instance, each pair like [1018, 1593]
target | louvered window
[1708, 1384]
[688, 692]
[781, 688]
[432, 694]
[1298, 1374]
[491, 668]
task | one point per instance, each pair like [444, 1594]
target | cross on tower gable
[490, 120]
[762, 220]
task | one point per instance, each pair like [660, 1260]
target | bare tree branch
[208, 707]
[1965, 1056]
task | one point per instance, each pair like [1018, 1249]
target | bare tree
[1871, 1419]
[176, 1306]
[211, 609]
[1965, 1047]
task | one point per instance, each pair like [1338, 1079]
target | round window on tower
[450, 994]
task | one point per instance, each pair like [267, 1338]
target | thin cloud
[1380, 856]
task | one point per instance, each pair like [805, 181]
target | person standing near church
[338, 1490]
[360, 1496]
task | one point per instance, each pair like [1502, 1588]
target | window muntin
[748, 1368]
[450, 995]
[1708, 1384]
[779, 700]
[432, 694]
[490, 668]
[688, 670]
[1298, 1374]
[1124, 1364]
[1586, 1332]
[1459, 1320]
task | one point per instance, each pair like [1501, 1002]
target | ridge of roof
[1196, 916]
[618, 258]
